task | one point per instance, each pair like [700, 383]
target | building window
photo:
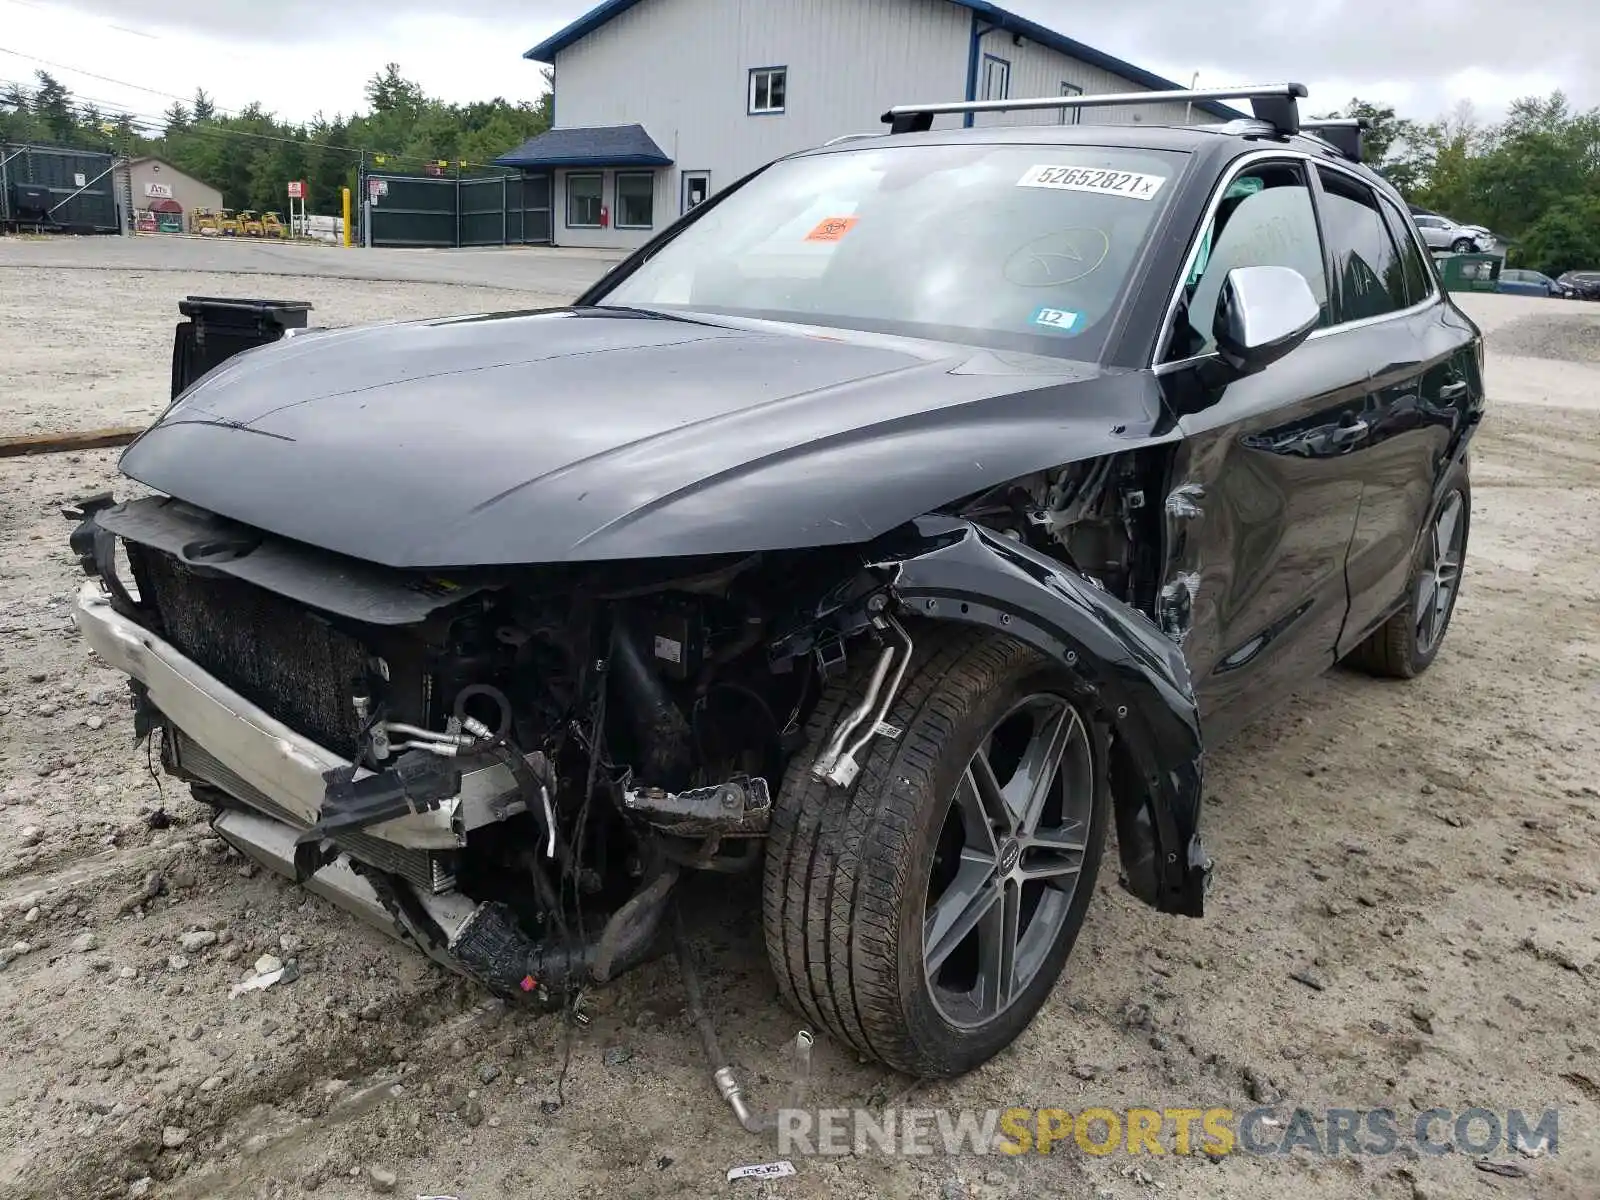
[584, 201]
[636, 199]
[1071, 116]
[769, 90]
[996, 78]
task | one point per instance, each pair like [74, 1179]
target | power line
[92, 75]
[131, 30]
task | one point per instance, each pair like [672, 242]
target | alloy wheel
[1441, 572]
[1008, 860]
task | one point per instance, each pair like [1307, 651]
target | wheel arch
[1134, 678]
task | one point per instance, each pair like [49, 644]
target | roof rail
[848, 137]
[1342, 133]
[1274, 103]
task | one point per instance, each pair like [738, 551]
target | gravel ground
[1570, 337]
[1405, 910]
[90, 349]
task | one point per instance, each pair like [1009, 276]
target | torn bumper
[386, 874]
[271, 844]
[258, 759]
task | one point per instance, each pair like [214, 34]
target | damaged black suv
[892, 525]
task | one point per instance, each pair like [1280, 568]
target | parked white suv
[1441, 233]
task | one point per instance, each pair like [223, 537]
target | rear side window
[1266, 219]
[1370, 276]
[1417, 273]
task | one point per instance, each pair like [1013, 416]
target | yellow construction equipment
[250, 223]
[272, 225]
[227, 223]
[205, 223]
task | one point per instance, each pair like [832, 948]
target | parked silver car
[1441, 233]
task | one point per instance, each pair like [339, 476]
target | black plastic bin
[217, 329]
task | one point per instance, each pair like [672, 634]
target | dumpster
[1469, 272]
[56, 187]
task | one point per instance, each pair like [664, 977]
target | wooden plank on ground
[56, 443]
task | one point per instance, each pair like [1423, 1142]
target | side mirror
[1262, 314]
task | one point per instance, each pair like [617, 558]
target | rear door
[1427, 390]
[1267, 482]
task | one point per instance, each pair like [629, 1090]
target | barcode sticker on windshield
[1094, 179]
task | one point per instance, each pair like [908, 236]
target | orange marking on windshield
[832, 229]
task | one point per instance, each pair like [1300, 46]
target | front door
[696, 189]
[1266, 483]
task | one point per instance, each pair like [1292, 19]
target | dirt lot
[1406, 911]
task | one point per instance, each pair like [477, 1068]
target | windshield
[1014, 247]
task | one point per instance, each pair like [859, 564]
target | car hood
[590, 434]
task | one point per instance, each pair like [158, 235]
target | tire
[1402, 647]
[1463, 246]
[852, 876]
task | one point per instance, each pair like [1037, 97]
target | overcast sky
[301, 56]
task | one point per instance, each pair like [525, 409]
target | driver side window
[1266, 219]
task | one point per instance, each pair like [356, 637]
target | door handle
[1453, 391]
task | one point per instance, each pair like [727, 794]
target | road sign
[297, 189]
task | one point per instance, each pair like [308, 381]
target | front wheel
[924, 915]
[1464, 246]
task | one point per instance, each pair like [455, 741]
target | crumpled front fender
[944, 568]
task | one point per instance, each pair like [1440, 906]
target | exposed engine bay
[578, 735]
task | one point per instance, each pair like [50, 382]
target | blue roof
[992, 15]
[600, 146]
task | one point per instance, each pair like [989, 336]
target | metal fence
[492, 210]
[55, 187]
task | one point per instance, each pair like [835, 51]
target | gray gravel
[1574, 339]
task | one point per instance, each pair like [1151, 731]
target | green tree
[1447, 156]
[52, 105]
[1564, 238]
[1542, 155]
[250, 155]
[17, 122]
[390, 93]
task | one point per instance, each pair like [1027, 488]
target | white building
[660, 103]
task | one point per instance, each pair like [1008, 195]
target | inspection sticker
[1058, 319]
[1131, 184]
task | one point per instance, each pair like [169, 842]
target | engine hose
[471, 692]
[627, 936]
[535, 793]
[721, 1070]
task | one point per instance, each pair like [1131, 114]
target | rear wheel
[924, 915]
[1406, 644]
